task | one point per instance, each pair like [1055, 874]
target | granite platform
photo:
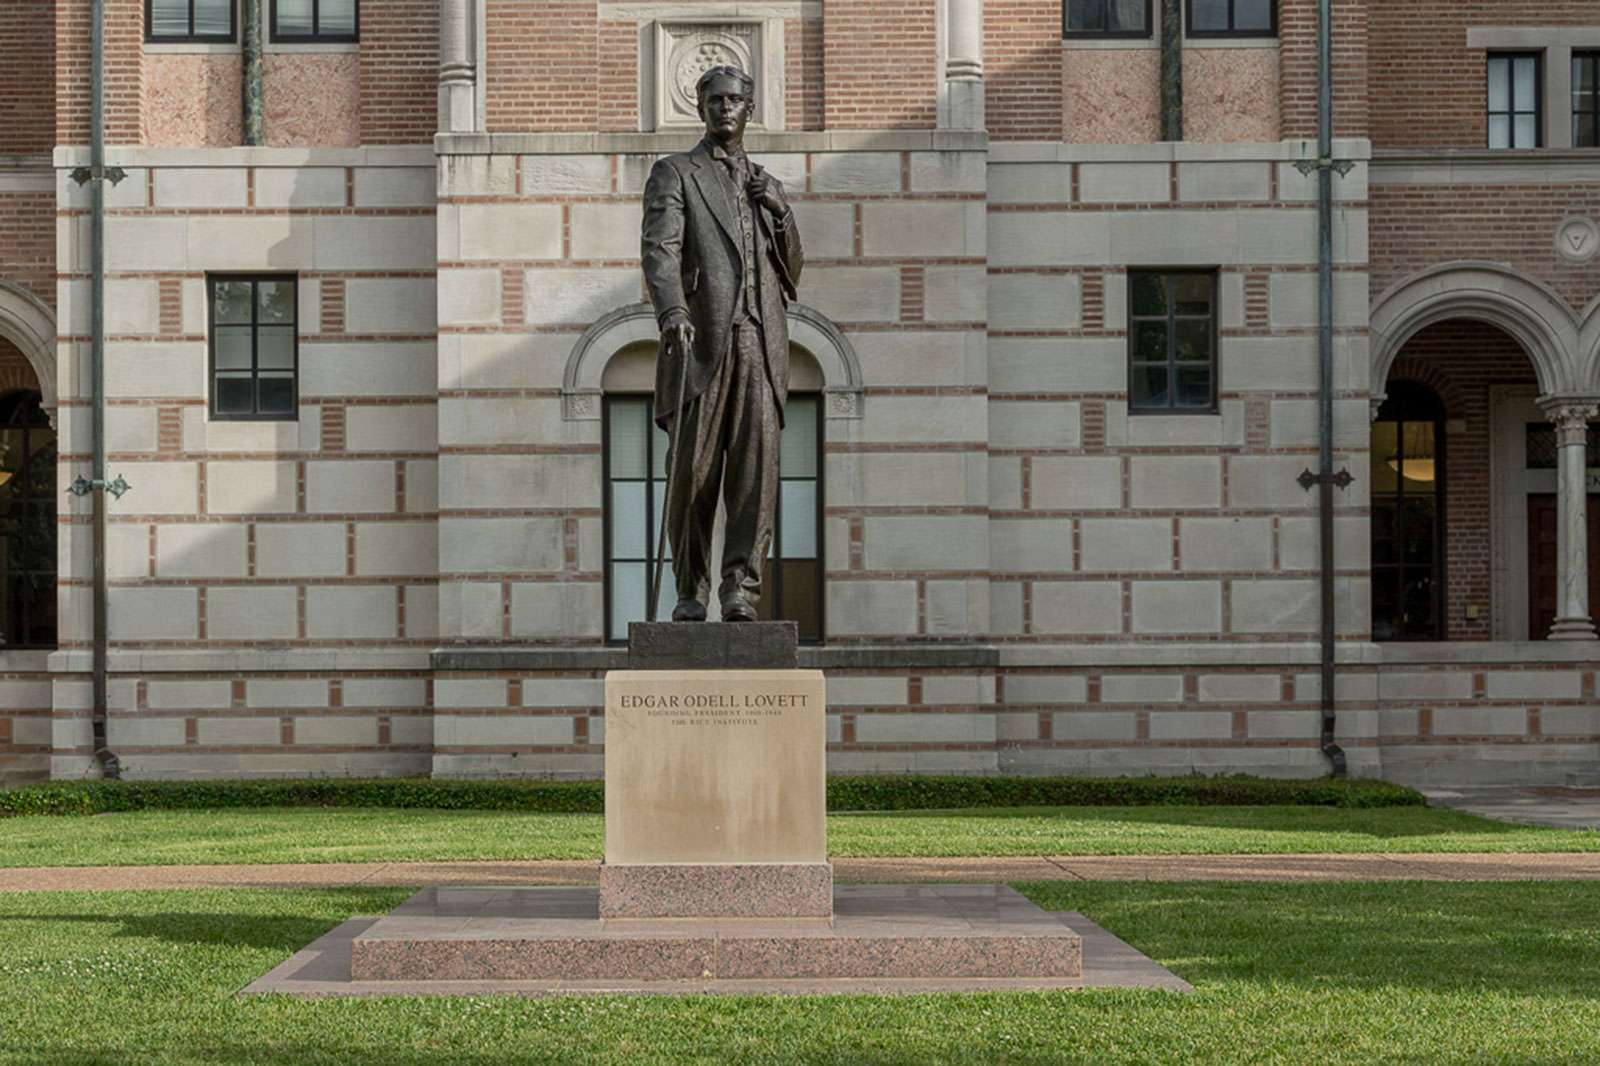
[884, 939]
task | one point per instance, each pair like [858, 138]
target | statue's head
[727, 96]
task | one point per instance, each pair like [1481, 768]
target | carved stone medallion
[1578, 239]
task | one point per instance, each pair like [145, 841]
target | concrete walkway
[1281, 868]
[1554, 806]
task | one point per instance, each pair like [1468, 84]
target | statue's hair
[746, 82]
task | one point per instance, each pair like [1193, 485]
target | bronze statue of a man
[721, 259]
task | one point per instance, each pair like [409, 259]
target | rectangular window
[315, 20]
[1172, 341]
[1106, 18]
[635, 476]
[1233, 18]
[254, 348]
[1586, 99]
[189, 20]
[1516, 112]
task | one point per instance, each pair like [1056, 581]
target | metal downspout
[252, 106]
[110, 767]
[1325, 475]
[1171, 70]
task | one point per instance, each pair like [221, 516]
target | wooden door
[1543, 562]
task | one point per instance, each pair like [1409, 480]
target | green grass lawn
[369, 835]
[1330, 973]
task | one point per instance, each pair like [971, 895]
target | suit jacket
[692, 263]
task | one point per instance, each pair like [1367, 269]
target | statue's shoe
[689, 611]
[737, 609]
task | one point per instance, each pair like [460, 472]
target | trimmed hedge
[588, 797]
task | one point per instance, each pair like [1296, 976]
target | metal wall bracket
[83, 486]
[1341, 166]
[1308, 481]
[84, 175]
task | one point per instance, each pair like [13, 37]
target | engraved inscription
[715, 709]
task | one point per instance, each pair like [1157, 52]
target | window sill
[191, 48]
[1204, 43]
[313, 48]
[1110, 44]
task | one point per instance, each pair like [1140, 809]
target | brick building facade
[1058, 379]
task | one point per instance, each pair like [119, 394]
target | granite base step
[556, 934]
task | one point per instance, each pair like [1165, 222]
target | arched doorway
[27, 522]
[635, 472]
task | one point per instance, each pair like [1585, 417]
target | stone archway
[26, 322]
[581, 383]
[1482, 292]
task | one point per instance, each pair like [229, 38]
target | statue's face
[725, 108]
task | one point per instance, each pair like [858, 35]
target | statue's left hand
[767, 191]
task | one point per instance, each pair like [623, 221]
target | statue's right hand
[678, 333]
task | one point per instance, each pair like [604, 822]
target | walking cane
[666, 503]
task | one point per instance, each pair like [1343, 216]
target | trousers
[731, 439]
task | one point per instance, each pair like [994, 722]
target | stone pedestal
[716, 790]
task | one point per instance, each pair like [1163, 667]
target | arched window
[1408, 515]
[635, 473]
[27, 523]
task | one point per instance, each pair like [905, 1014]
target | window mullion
[1172, 341]
[255, 344]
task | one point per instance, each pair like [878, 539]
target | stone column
[457, 67]
[963, 70]
[1572, 531]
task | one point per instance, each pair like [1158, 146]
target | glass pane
[628, 426]
[1128, 16]
[799, 513]
[802, 581]
[1150, 341]
[1584, 72]
[797, 451]
[1385, 607]
[233, 348]
[169, 18]
[1527, 132]
[275, 300]
[294, 18]
[658, 500]
[275, 348]
[1524, 88]
[1384, 477]
[1150, 386]
[213, 18]
[275, 394]
[1149, 294]
[1418, 466]
[1194, 387]
[1416, 530]
[1210, 15]
[232, 302]
[1194, 341]
[337, 18]
[1086, 14]
[1194, 294]
[1585, 130]
[1499, 84]
[235, 394]
[1499, 131]
[660, 444]
[1416, 604]
[1383, 519]
[629, 520]
[630, 591]
[1252, 15]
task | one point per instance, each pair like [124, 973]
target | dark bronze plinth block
[713, 646]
